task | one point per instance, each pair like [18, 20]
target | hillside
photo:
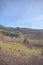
[29, 33]
[21, 46]
[18, 35]
[18, 49]
[18, 54]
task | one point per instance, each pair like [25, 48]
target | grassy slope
[18, 49]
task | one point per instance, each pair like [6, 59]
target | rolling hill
[29, 33]
[18, 35]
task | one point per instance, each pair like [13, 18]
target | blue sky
[21, 13]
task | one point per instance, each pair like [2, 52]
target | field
[18, 54]
[18, 49]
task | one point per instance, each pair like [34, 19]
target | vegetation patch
[18, 49]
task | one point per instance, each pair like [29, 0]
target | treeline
[11, 34]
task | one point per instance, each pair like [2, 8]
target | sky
[21, 13]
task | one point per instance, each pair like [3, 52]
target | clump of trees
[26, 42]
[11, 34]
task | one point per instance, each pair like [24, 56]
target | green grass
[18, 49]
